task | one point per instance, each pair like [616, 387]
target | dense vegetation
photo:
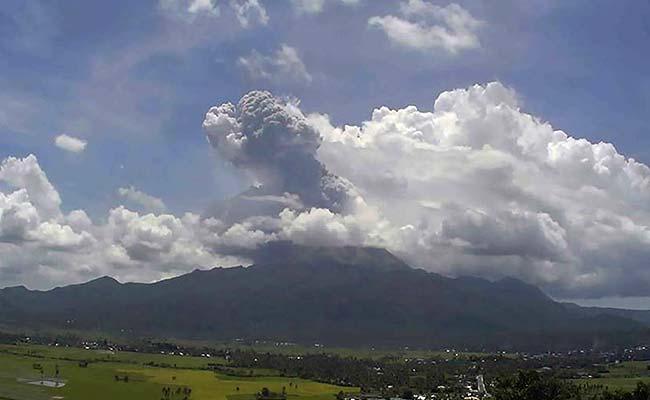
[529, 385]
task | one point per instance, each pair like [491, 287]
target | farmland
[624, 376]
[26, 369]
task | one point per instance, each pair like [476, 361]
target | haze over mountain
[344, 296]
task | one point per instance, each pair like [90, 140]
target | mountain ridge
[349, 296]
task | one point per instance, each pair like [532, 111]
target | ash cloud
[272, 142]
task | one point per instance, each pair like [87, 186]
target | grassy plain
[97, 380]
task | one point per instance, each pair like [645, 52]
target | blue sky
[578, 64]
[134, 80]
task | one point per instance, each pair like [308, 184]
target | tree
[641, 392]
[529, 385]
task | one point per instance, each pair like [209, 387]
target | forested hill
[348, 296]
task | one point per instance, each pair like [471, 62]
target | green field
[97, 380]
[624, 376]
[272, 347]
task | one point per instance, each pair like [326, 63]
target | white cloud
[426, 27]
[316, 6]
[202, 6]
[474, 186]
[26, 174]
[42, 247]
[18, 217]
[142, 199]
[283, 65]
[190, 9]
[54, 236]
[243, 236]
[321, 227]
[30, 215]
[70, 143]
[479, 187]
[249, 12]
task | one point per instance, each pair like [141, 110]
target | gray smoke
[273, 143]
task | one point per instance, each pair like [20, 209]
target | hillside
[640, 316]
[348, 297]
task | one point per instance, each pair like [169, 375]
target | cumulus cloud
[283, 65]
[477, 186]
[41, 246]
[30, 215]
[321, 227]
[18, 217]
[51, 235]
[427, 27]
[27, 176]
[70, 143]
[474, 186]
[143, 200]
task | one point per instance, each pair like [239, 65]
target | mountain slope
[345, 296]
[640, 316]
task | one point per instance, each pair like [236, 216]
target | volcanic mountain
[348, 296]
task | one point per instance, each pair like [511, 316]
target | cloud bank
[40, 246]
[479, 187]
[474, 186]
